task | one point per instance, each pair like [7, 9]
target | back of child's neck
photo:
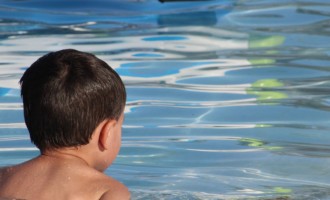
[68, 155]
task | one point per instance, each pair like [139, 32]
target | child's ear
[107, 128]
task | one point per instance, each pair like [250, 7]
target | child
[73, 109]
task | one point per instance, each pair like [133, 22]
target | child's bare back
[53, 178]
[74, 110]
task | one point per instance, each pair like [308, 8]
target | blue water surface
[227, 99]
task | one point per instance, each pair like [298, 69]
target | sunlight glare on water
[226, 99]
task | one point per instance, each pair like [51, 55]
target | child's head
[66, 94]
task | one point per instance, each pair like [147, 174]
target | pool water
[226, 99]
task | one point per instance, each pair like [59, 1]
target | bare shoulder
[2, 170]
[5, 171]
[2, 174]
[116, 191]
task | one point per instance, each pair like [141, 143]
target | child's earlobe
[105, 134]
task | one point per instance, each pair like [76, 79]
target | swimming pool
[226, 99]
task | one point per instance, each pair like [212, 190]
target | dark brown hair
[66, 94]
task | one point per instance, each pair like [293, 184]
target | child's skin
[69, 173]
